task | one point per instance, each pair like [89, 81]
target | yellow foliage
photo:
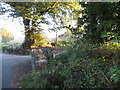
[6, 36]
[38, 38]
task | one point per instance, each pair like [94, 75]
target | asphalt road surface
[9, 64]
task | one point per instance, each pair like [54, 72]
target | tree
[34, 12]
[6, 36]
[100, 19]
[31, 12]
[38, 38]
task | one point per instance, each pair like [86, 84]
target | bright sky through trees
[15, 26]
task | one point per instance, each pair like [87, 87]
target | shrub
[85, 66]
[14, 48]
[38, 38]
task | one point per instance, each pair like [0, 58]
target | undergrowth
[14, 48]
[86, 66]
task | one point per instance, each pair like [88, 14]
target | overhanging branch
[47, 10]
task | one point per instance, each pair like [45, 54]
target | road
[10, 65]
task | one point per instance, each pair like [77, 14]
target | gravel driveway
[13, 67]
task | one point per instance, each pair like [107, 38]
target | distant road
[9, 65]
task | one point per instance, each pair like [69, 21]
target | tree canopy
[33, 14]
[101, 21]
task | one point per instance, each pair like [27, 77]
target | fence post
[33, 60]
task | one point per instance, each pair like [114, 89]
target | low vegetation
[93, 41]
[88, 66]
[14, 48]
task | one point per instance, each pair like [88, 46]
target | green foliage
[38, 39]
[14, 48]
[81, 67]
[33, 78]
[35, 12]
[110, 46]
[65, 43]
[100, 24]
[111, 36]
[84, 65]
[114, 74]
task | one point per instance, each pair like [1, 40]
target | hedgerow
[86, 66]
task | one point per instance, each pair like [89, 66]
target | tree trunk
[28, 32]
[56, 38]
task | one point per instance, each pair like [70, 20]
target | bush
[114, 75]
[38, 38]
[17, 50]
[14, 48]
[65, 43]
[83, 67]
